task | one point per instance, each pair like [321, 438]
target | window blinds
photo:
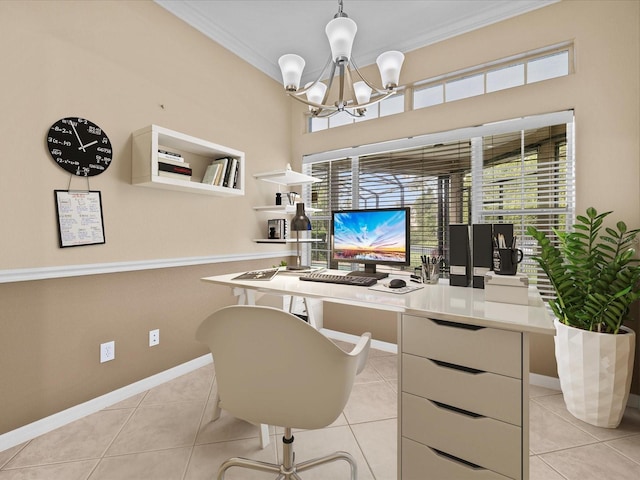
[490, 174]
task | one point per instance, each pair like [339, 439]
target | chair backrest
[274, 368]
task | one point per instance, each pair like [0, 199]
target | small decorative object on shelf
[277, 229]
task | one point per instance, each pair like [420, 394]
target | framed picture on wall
[80, 219]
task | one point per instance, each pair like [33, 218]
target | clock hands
[87, 145]
[78, 137]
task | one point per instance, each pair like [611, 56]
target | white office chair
[273, 368]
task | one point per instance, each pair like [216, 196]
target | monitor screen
[374, 236]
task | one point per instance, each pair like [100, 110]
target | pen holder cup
[430, 273]
[506, 260]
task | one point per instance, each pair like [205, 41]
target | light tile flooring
[165, 433]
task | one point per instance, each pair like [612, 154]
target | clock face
[79, 146]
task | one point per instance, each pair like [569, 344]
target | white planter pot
[595, 371]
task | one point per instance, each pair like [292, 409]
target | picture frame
[79, 215]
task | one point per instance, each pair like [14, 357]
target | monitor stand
[369, 271]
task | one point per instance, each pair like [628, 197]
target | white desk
[463, 401]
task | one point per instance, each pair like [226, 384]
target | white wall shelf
[283, 209]
[286, 177]
[199, 153]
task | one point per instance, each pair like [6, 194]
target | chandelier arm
[377, 99]
[370, 85]
[351, 89]
[331, 76]
[312, 104]
[306, 89]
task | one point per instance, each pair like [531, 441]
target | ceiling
[260, 31]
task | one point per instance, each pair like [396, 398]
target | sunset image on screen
[375, 236]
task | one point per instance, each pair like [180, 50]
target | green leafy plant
[594, 274]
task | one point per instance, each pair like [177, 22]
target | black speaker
[482, 252]
[459, 256]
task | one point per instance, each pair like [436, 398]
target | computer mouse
[397, 283]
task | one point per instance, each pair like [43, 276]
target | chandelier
[353, 98]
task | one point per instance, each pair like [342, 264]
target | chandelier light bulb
[341, 32]
[316, 93]
[363, 92]
[291, 66]
[389, 64]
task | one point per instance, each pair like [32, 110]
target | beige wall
[125, 65]
[116, 63]
[110, 62]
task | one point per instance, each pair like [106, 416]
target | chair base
[288, 469]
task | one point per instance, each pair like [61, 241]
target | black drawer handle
[457, 410]
[459, 460]
[464, 326]
[453, 366]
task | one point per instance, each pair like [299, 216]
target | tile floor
[165, 433]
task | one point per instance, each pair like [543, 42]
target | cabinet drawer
[420, 462]
[487, 394]
[483, 441]
[487, 349]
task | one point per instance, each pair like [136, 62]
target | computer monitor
[378, 236]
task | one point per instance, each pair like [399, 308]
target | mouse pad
[381, 287]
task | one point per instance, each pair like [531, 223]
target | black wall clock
[79, 146]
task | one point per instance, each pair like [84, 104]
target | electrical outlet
[107, 351]
[154, 337]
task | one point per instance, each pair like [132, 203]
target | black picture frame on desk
[80, 220]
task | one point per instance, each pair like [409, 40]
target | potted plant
[596, 279]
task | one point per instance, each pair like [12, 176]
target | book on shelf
[228, 174]
[177, 176]
[234, 184]
[173, 161]
[168, 167]
[267, 274]
[277, 229]
[211, 173]
[162, 153]
[222, 162]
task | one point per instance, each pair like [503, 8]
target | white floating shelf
[286, 177]
[284, 209]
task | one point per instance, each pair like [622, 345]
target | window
[507, 77]
[464, 88]
[393, 104]
[506, 73]
[551, 66]
[518, 172]
[530, 67]
[429, 96]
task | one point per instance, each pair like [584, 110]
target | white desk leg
[245, 296]
[313, 306]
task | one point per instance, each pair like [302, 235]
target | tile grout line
[204, 411]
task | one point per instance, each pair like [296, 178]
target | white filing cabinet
[463, 405]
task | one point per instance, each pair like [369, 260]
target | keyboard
[340, 279]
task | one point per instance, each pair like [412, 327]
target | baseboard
[57, 420]
[347, 337]
[543, 381]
